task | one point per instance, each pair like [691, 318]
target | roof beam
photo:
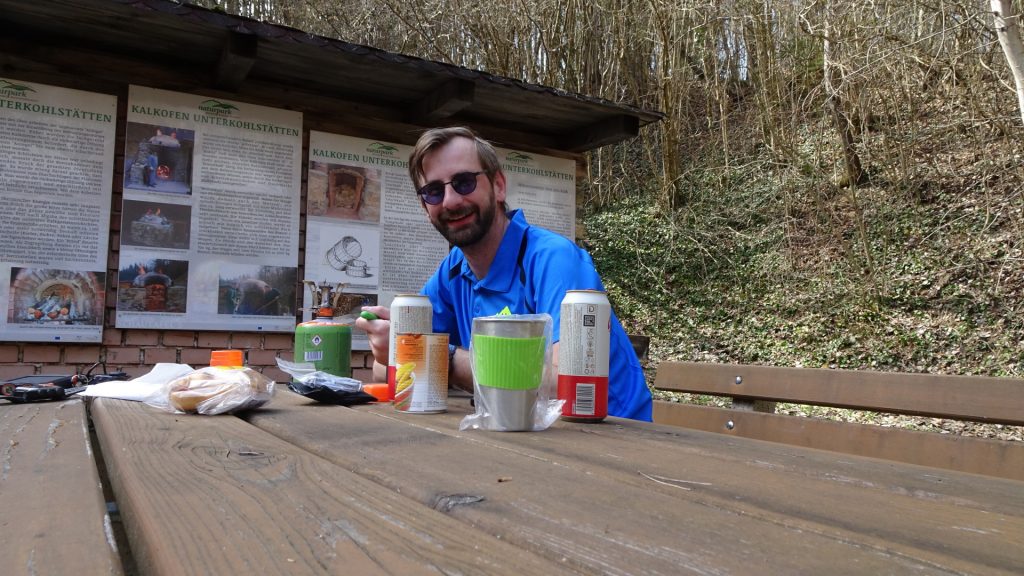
[236, 60]
[601, 133]
[444, 102]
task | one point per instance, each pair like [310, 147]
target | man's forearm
[460, 374]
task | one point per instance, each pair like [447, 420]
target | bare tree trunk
[1007, 26]
[834, 103]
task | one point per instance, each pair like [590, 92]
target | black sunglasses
[464, 183]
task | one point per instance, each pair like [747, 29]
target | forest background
[834, 183]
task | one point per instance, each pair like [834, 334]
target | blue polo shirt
[530, 275]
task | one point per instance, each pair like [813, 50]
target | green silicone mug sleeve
[510, 363]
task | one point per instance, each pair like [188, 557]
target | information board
[210, 223]
[56, 159]
[367, 230]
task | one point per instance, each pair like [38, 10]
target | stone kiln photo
[43, 295]
[344, 192]
[158, 158]
[153, 286]
[156, 224]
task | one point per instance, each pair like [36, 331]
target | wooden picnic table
[304, 488]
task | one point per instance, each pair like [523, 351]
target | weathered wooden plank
[443, 102]
[215, 495]
[961, 453]
[188, 41]
[922, 513]
[53, 517]
[602, 133]
[626, 497]
[327, 110]
[236, 60]
[976, 398]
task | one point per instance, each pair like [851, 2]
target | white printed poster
[210, 223]
[544, 187]
[56, 155]
[366, 229]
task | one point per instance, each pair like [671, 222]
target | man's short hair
[437, 137]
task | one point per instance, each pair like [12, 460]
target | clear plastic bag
[323, 386]
[514, 382]
[214, 390]
[307, 374]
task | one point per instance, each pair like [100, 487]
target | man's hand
[377, 332]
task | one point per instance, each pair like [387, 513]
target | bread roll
[217, 390]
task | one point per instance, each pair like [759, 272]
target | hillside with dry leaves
[834, 184]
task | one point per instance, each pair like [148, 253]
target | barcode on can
[313, 355]
[583, 405]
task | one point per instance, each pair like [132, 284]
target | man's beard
[464, 236]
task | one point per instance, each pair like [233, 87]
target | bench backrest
[970, 398]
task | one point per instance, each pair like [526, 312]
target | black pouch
[329, 395]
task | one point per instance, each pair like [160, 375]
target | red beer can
[410, 313]
[583, 347]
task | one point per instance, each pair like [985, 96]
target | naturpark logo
[218, 108]
[518, 158]
[13, 90]
[381, 149]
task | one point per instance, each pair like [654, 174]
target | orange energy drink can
[583, 346]
[421, 374]
[410, 314]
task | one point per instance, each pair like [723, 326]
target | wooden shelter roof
[90, 44]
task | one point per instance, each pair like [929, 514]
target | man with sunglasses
[499, 264]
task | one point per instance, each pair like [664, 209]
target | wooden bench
[755, 390]
[641, 345]
[55, 518]
[216, 495]
[298, 487]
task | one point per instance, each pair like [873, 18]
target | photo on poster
[45, 296]
[350, 254]
[152, 285]
[343, 192]
[156, 224]
[351, 303]
[158, 158]
[347, 303]
[252, 289]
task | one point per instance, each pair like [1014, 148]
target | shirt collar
[503, 269]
